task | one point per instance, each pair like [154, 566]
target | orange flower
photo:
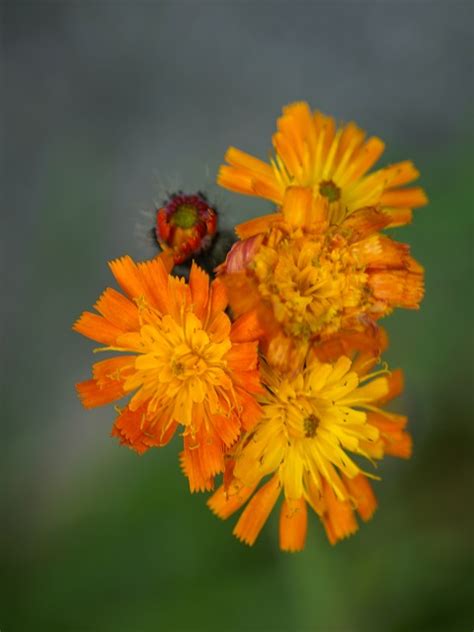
[308, 280]
[181, 357]
[312, 152]
[301, 442]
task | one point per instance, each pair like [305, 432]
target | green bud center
[185, 216]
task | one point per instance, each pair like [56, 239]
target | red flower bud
[186, 224]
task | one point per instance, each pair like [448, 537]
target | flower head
[182, 361]
[309, 425]
[309, 280]
[334, 162]
[186, 224]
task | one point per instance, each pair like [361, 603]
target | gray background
[106, 105]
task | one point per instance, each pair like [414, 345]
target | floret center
[330, 190]
[310, 425]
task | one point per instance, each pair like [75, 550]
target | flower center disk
[178, 361]
[330, 190]
[309, 284]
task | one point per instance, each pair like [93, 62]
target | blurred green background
[106, 107]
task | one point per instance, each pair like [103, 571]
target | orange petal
[256, 226]
[154, 276]
[371, 341]
[201, 459]
[239, 158]
[298, 206]
[400, 173]
[227, 428]
[411, 198]
[251, 410]
[396, 442]
[160, 434]
[242, 292]
[199, 286]
[351, 139]
[387, 421]
[116, 369]
[339, 521]
[287, 150]
[395, 382]
[314, 495]
[218, 299]
[118, 310]
[296, 133]
[366, 221]
[140, 431]
[93, 394]
[235, 180]
[224, 503]
[248, 175]
[126, 271]
[398, 288]
[398, 216]
[378, 252]
[327, 127]
[128, 428]
[219, 328]
[257, 511]
[167, 259]
[293, 524]
[400, 446]
[268, 189]
[228, 475]
[97, 328]
[249, 380]
[284, 352]
[246, 328]
[361, 492]
[366, 157]
[243, 356]
[179, 295]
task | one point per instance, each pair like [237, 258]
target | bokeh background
[106, 106]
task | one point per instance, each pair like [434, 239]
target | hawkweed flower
[180, 358]
[185, 226]
[300, 447]
[272, 372]
[311, 151]
[308, 279]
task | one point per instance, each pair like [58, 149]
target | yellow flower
[333, 162]
[182, 361]
[309, 283]
[310, 423]
[308, 280]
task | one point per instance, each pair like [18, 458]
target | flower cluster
[271, 372]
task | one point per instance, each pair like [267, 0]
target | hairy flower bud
[186, 224]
